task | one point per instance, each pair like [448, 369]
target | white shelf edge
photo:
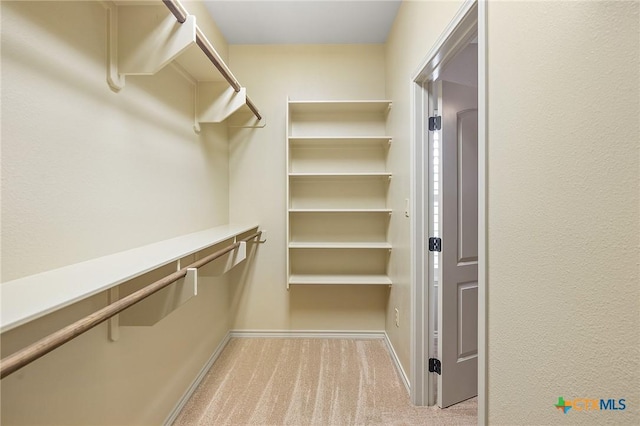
[29, 298]
[339, 245]
[335, 106]
[331, 138]
[299, 279]
[340, 210]
[340, 174]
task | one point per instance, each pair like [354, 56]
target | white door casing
[458, 281]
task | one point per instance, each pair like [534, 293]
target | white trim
[310, 334]
[483, 190]
[173, 415]
[419, 271]
[455, 36]
[435, 59]
[396, 362]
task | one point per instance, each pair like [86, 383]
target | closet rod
[180, 13]
[16, 361]
[176, 9]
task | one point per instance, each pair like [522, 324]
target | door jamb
[471, 17]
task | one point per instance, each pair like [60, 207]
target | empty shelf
[339, 245]
[374, 106]
[340, 210]
[339, 140]
[340, 175]
[339, 279]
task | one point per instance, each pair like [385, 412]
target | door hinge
[435, 122]
[435, 366]
[435, 244]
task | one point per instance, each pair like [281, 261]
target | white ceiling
[304, 21]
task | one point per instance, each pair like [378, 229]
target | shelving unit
[337, 183]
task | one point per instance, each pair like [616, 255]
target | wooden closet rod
[180, 13]
[16, 361]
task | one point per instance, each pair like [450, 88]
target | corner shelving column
[337, 182]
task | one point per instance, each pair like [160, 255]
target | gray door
[458, 281]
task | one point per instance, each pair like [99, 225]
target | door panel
[467, 122]
[458, 281]
[468, 314]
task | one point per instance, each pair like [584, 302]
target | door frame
[470, 18]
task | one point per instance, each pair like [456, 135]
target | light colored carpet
[274, 381]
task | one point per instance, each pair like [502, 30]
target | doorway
[443, 76]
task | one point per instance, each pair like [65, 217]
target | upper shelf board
[373, 106]
[300, 279]
[336, 141]
[32, 297]
[339, 175]
[340, 211]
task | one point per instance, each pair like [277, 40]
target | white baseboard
[203, 372]
[396, 362]
[318, 334]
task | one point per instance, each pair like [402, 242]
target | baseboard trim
[173, 415]
[318, 334]
[396, 362]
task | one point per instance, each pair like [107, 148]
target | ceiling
[304, 21]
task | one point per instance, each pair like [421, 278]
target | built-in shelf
[34, 296]
[340, 175]
[337, 187]
[347, 106]
[339, 245]
[338, 140]
[340, 211]
[298, 279]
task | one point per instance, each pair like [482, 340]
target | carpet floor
[277, 381]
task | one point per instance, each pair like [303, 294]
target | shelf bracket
[226, 262]
[142, 43]
[217, 101]
[113, 326]
[154, 308]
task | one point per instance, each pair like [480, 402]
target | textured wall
[563, 152]
[257, 182]
[415, 30]
[88, 172]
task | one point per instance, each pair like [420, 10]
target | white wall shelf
[337, 186]
[340, 245]
[339, 107]
[339, 140]
[298, 279]
[34, 296]
[341, 175]
[340, 211]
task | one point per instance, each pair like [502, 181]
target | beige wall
[257, 183]
[414, 31]
[563, 209]
[88, 172]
